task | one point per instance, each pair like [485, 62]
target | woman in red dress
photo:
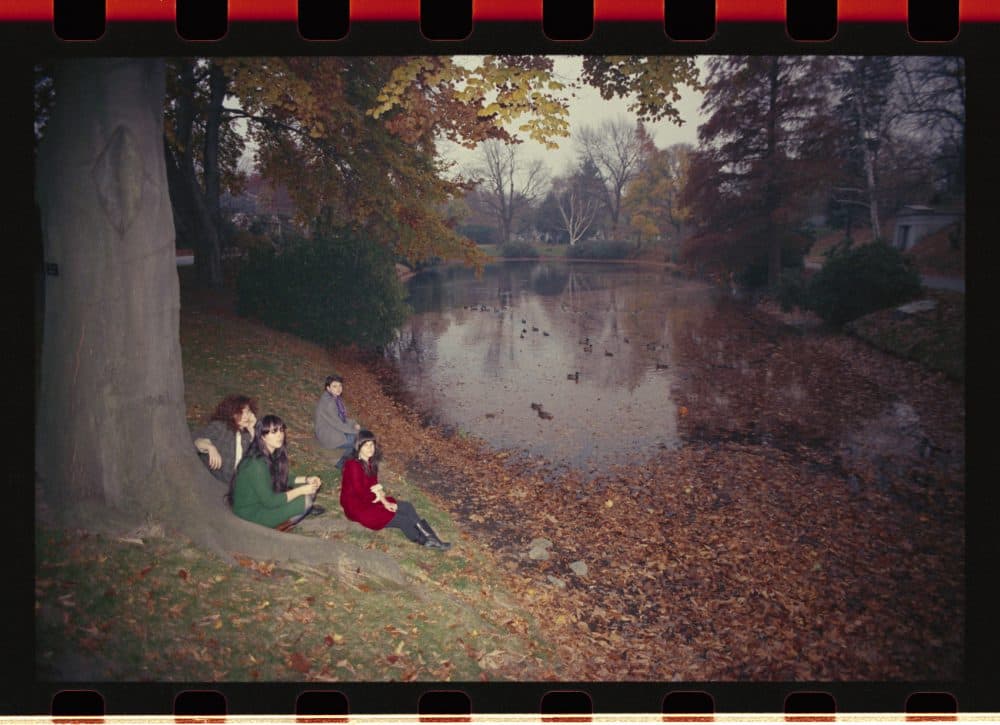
[365, 502]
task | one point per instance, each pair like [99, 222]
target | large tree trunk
[111, 437]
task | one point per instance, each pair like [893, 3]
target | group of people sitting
[250, 456]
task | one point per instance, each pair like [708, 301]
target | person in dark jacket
[364, 500]
[263, 490]
[333, 428]
[226, 437]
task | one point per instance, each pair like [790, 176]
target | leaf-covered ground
[810, 529]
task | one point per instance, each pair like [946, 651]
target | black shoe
[316, 510]
[431, 540]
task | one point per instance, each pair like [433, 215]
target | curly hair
[231, 408]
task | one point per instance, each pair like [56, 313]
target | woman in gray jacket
[227, 435]
[334, 429]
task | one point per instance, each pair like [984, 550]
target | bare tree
[113, 449]
[507, 185]
[616, 148]
[930, 106]
[863, 84]
[578, 206]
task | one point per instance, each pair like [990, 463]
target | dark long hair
[231, 407]
[371, 467]
[277, 462]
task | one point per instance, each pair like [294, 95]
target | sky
[588, 108]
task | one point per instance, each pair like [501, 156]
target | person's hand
[378, 492]
[214, 459]
[357, 426]
[389, 505]
[313, 483]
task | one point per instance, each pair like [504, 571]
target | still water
[567, 361]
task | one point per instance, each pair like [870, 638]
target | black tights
[405, 520]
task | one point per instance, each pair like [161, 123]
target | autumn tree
[508, 184]
[763, 148]
[112, 444]
[653, 199]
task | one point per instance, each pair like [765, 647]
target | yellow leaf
[609, 503]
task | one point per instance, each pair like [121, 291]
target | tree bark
[770, 189]
[111, 436]
[192, 214]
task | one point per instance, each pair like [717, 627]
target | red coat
[357, 499]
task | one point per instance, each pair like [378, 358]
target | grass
[157, 608]
[935, 339]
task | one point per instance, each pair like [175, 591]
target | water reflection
[571, 361]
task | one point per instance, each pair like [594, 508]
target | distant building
[915, 222]
[262, 208]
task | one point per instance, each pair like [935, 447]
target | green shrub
[330, 291]
[604, 249]
[858, 281]
[518, 249]
[792, 290]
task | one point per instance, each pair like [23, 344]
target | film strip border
[926, 21]
[553, 706]
[333, 26]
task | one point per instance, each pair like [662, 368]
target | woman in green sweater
[260, 490]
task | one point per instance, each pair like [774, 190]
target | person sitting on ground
[334, 429]
[365, 502]
[228, 434]
[260, 490]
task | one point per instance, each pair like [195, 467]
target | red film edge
[975, 11]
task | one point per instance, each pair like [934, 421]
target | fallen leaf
[299, 663]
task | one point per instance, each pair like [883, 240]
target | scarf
[341, 409]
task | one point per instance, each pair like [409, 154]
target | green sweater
[254, 498]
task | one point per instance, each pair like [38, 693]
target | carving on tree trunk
[120, 179]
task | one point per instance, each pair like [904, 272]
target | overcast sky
[589, 109]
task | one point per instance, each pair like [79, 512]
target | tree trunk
[111, 436]
[213, 126]
[771, 186]
[192, 214]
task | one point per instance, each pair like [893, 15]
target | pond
[568, 361]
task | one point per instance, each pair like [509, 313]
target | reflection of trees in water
[427, 291]
[548, 280]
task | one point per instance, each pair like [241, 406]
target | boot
[432, 539]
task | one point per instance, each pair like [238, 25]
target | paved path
[955, 284]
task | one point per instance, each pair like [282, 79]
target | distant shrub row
[337, 291]
[853, 283]
[516, 249]
[604, 249]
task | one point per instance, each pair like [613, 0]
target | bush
[754, 275]
[792, 290]
[518, 249]
[862, 280]
[330, 291]
[605, 249]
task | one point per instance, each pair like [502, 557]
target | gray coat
[224, 439]
[331, 431]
